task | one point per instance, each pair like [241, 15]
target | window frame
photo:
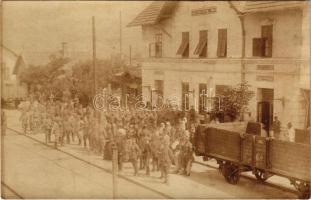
[158, 45]
[185, 104]
[222, 45]
[201, 48]
[267, 34]
[183, 49]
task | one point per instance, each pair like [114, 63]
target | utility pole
[115, 168]
[120, 35]
[64, 48]
[130, 55]
[94, 54]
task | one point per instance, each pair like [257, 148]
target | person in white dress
[290, 132]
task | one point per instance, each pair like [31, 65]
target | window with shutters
[201, 48]
[258, 47]
[152, 50]
[267, 35]
[183, 49]
[158, 45]
[155, 48]
[159, 88]
[202, 97]
[222, 43]
[185, 96]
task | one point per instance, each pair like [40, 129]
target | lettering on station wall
[158, 72]
[265, 67]
[203, 11]
[264, 78]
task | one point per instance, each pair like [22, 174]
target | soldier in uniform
[92, 132]
[81, 129]
[146, 154]
[120, 140]
[187, 155]
[85, 130]
[133, 152]
[56, 130]
[67, 128]
[71, 121]
[76, 128]
[165, 159]
[47, 127]
[155, 144]
[168, 128]
[192, 133]
[102, 133]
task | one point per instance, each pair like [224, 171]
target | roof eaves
[272, 6]
[150, 15]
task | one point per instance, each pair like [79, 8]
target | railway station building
[12, 65]
[191, 48]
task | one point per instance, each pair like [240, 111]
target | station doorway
[265, 107]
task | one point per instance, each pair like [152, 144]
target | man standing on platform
[276, 127]
[165, 159]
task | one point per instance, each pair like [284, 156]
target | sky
[40, 27]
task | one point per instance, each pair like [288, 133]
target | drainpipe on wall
[241, 18]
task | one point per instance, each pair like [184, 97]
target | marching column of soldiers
[147, 139]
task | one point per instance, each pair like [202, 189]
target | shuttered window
[201, 48]
[159, 87]
[202, 97]
[222, 43]
[155, 48]
[258, 46]
[184, 46]
[185, 96]
[158, 45]
[152, 50]
[267, 34]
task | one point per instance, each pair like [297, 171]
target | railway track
[99, 167]
[254, 179]
[5, 186]
[137, 183]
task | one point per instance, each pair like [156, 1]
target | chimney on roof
[64, 49]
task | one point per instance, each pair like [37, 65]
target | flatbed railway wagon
[238, 152]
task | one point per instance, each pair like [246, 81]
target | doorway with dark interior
[265, 107]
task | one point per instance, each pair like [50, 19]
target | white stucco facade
[286, 72]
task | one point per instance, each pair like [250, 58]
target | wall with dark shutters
[192, 17]
[287, 32]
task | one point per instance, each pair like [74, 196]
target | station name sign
[265, 78]
[203, 11]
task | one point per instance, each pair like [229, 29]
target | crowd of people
[149, 140]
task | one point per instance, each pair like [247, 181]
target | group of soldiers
[149, 140]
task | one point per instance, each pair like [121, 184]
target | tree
[234, 100]
[47, 76]
[106, 73]
[83, 76]
[53, 79]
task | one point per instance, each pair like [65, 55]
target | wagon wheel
[221, 167]
[261, 175]
[303, 188]
[232, 173]
[305, 194]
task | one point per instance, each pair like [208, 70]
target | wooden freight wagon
[239, 152]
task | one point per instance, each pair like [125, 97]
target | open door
[265, 114]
